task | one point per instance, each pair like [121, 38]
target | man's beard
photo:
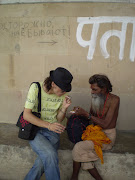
[97, 103]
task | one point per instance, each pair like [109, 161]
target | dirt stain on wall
[11, 82]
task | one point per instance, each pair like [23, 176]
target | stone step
[16, 162]
[16, 157]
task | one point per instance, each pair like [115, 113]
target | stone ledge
[125, 142]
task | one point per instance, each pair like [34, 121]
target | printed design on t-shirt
[47, 109]
[50, 103]
[30, 101]
[48, 118]
[54, 100]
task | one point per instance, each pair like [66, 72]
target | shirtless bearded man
[103, 112]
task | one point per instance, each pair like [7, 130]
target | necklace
[103, 108]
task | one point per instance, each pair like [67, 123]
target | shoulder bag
[27, 130]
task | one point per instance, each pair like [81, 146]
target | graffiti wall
[121, 34]
[86, 38]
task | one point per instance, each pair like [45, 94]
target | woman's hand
[56, 127]
[66, 102]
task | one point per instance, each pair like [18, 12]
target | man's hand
[79, 111]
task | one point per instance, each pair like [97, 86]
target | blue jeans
[45, 145]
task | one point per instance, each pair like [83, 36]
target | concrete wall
[36, 38]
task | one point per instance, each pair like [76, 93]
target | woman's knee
[51, 154]
[39, 161]
[39, 165]
[50, 158]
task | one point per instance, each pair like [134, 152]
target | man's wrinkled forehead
[95, 87]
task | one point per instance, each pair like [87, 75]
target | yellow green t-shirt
[50, 103]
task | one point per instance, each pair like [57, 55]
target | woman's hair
[48, 83]
[102, 81]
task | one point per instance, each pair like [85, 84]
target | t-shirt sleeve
[32, 96]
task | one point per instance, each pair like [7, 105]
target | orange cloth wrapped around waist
[95, 134]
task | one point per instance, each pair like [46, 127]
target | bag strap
[39, 95]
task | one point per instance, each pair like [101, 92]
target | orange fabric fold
[95, 134]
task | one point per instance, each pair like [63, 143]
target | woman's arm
[28, 116]
[62, 112]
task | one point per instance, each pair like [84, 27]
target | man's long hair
[48, 83]
[102, 81]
